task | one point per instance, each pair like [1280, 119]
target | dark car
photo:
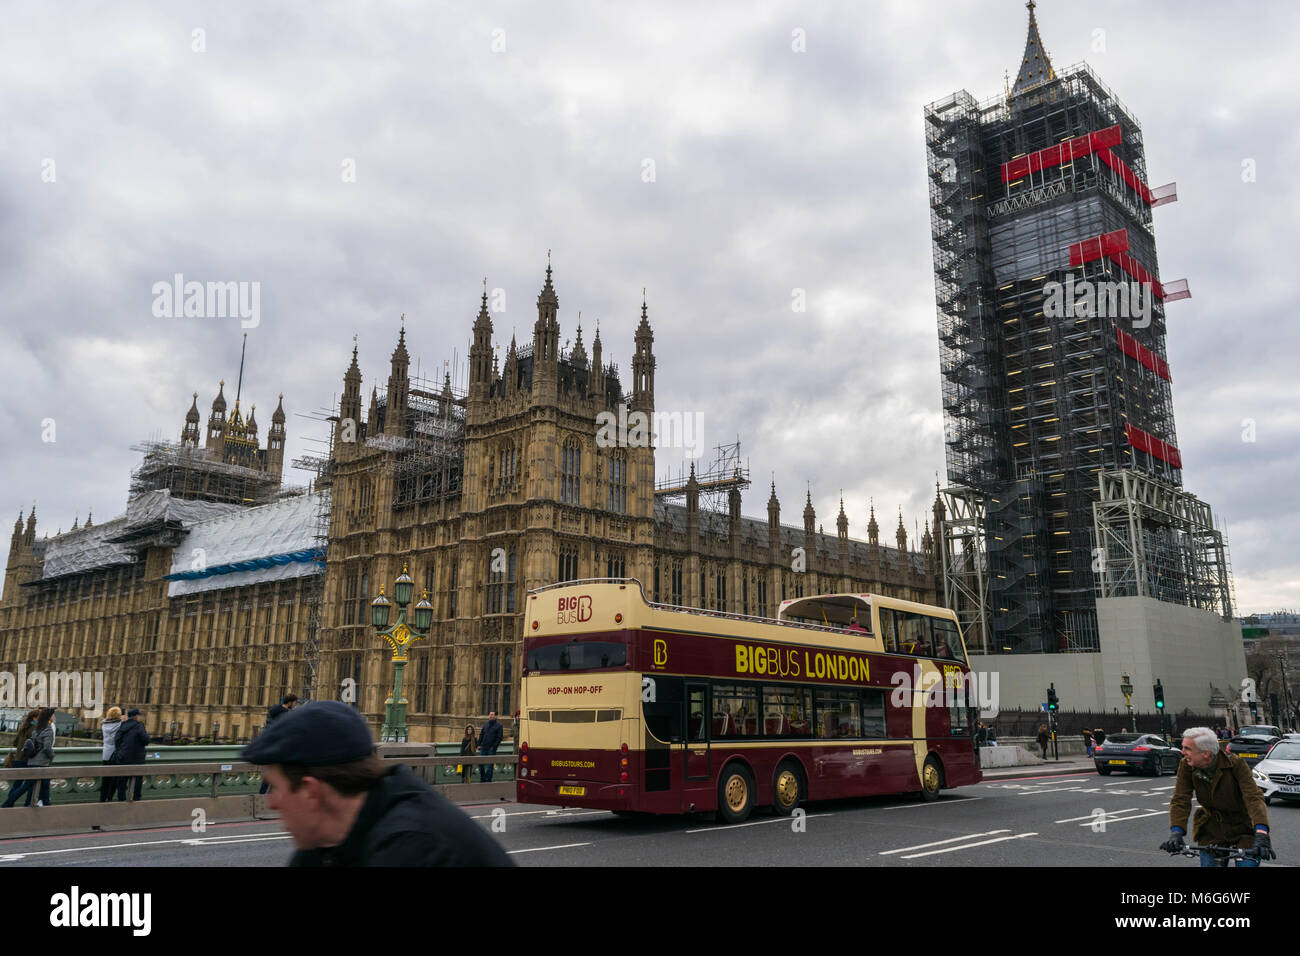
[1137, 753]
[1252, 743]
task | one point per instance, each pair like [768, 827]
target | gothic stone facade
[524, 495]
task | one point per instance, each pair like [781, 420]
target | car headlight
[1259, 777]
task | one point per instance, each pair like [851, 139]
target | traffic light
[1053, 703]
[1159, 691]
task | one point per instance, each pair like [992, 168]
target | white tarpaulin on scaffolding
[89, 548]
[273, 542]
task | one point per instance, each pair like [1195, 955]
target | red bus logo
[574, 610]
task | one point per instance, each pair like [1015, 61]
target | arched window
[617, 495]
[570, 471]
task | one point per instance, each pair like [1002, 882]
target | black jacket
[131, 740]
[490, 737]
[405, 823]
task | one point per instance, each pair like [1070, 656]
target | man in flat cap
[344, 805]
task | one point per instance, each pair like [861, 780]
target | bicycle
[1225, 854]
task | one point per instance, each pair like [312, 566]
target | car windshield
[1257, 732]
[1285, 751]
[1123, 738]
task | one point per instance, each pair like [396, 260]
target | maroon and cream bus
[638, 707]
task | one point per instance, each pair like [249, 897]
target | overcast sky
[364, 160]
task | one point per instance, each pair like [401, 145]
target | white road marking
[208, 841]
[226, 841]
[1034, 793]
[908, 806]
[1162, 789]
[1151, 813]
[525, 813]
[756, 823]
[535, 849]
[922, 846]
[968, 846]
[1093, 816]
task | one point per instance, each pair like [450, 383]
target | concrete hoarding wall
[1188, 649]
[1192, 652]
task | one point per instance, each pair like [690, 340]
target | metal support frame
[1155, 540]
[965, 565]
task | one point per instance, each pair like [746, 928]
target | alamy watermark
[208, 300]
[638, 429]
[1084, 298]
[62, 690]
[954, 688]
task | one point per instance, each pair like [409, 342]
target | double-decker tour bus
[638, 707]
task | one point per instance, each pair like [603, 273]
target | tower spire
[1035, 67]
[239, 387]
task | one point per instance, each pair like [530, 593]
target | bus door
[697, 782]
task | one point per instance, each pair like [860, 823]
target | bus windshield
[578, 655]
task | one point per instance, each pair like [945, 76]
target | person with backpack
[15, 758]
[108, 731]
[129, 747]
[38, 750]
[468, 744]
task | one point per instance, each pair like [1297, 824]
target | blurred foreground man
[344, 805]
[1231, 812]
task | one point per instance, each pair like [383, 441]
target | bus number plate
[572, 791]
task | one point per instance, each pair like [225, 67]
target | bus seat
[772, 725]
[720, 722]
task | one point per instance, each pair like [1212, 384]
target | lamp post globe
[403, 588]
[423, 613]
[379, 610]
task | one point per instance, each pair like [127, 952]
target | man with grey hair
[1231, 811]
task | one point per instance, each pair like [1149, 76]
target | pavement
[1045, 768]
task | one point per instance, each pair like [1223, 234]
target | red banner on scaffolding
[1071, 149]
[1114, 246]
[1145, 441]
[1135, 349]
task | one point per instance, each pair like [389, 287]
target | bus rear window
[578, 656]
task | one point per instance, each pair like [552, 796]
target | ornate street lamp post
[1126, 688]
[399, 637]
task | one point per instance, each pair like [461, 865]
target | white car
[1278, 774]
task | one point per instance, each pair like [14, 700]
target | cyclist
[1231, 812]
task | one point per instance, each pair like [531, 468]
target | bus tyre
[931, 779]
[735, 794]
[787, 789]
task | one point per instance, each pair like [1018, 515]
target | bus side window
[946, 642]
[889, 630]
[913, 633]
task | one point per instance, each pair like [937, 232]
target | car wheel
[735, 794]
[1104, 771]
[931, 780]
[1268, 800]
[787, 789]
[1157, 768]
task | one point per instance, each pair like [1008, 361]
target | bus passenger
[856, 628]
[942, 651]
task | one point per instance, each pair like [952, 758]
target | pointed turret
[29, 536]
[809, 515]
[372, 418]
[347, 431]
[216, 439]
[1035, 67]
[578, 356]
[940, 512]
[597, 368]
[842, 522]
[546, 331]
[190, 431]
[88, 523]
[250, 427]
[398, 386]
[511, 370]
[275, 440]
[643, 364]
[901, 533]
[873, 529]
[481, 359]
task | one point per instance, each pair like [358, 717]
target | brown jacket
[1231, 806]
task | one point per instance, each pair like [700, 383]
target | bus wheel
[787, 789]
[735, 794]
[931, 780]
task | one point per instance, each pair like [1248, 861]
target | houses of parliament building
[218, 590]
